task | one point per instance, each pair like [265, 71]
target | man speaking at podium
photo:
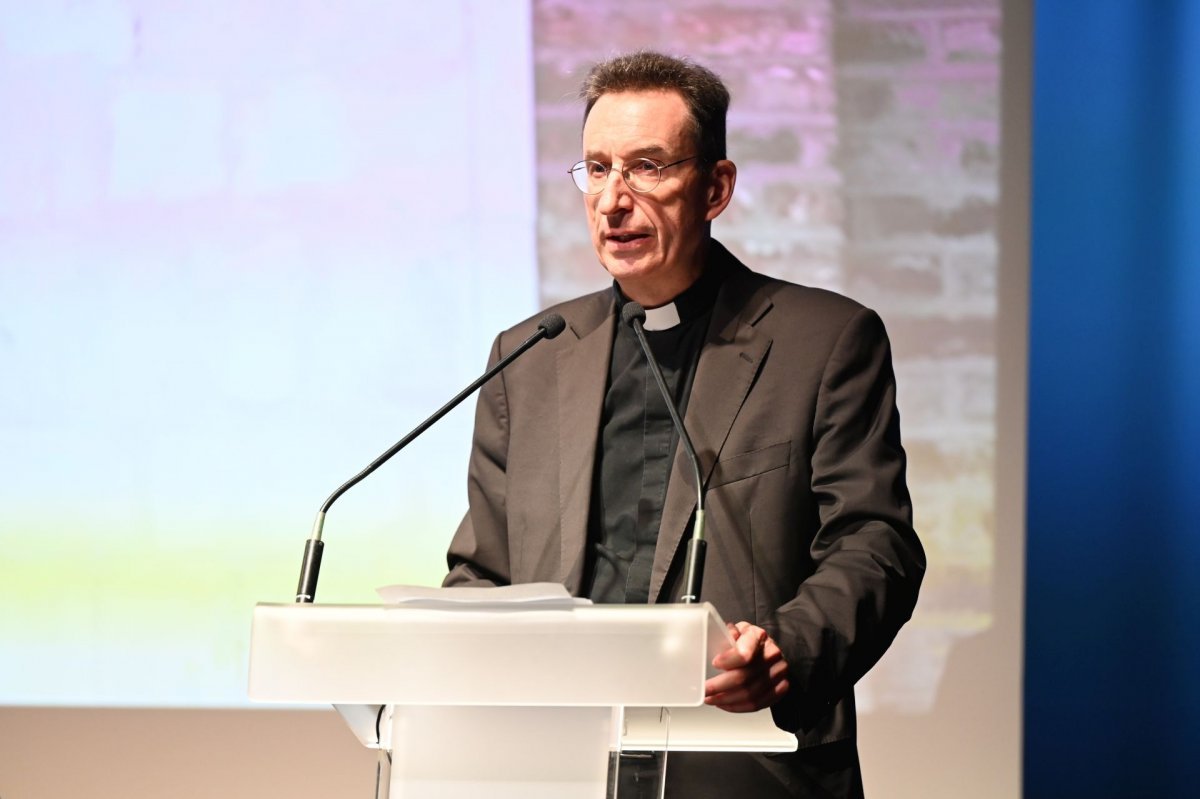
[788, 394]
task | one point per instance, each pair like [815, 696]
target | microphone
[634, 315]
[548, 327]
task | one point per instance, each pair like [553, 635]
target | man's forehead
[641, 123]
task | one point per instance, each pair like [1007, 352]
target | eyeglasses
[640, 174]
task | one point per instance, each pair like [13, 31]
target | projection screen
[244, 249]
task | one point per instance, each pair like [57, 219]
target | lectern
[505, 702]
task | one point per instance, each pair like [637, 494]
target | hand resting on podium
[754, 673]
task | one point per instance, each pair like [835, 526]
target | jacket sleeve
[479, 553]
[868, 560]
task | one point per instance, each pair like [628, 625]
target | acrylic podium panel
[493, 701]
[591, 655]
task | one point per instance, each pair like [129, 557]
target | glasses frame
[623, 172]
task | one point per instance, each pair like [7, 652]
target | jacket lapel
[581, 379]
[728, 366]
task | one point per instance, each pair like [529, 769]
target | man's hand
[755, 673]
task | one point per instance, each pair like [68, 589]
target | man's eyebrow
[650, 150]
[655, 151]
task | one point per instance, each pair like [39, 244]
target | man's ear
[720, 188]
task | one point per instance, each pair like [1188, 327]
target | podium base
[441, 752]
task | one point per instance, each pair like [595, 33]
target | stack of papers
[528, 595]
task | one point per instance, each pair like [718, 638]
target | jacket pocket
[748, 464]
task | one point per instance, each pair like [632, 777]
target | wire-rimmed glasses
[640, 174]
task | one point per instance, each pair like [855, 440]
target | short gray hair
[702, 91]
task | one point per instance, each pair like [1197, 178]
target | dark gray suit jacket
[792, 412]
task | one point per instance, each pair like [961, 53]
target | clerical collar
[695, 301]
[662, 318]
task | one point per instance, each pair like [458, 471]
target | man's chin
[623, 269]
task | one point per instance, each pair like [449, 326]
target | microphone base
[310, 569]
[694, 573]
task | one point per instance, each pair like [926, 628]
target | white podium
[498, 701]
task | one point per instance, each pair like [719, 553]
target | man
[790, 401]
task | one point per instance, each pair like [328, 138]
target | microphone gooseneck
[549, 326]
[634, 315]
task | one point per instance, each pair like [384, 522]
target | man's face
[652, 243]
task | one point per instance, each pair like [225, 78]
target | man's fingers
[747, 701]
[743, 682]
[726, 682]
[747, 647]
[760, 693]
[753, 672]
[762, 673]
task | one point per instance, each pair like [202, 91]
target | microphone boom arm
[548, 327]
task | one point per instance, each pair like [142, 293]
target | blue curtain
[1112, 704]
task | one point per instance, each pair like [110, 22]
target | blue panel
[1113, 654]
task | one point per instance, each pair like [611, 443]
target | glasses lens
[641, 174]
[589, 176]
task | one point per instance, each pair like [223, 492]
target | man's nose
[616, 196]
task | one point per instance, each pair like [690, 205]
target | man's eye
[643, 167]
[596, 170]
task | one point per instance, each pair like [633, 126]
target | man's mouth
[625, 238]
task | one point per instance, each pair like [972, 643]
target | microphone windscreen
[553, 324]
[630, 311]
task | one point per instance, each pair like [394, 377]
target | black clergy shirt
[637, 442]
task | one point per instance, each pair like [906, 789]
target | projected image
[242, 251]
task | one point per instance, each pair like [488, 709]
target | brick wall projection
[866, 138]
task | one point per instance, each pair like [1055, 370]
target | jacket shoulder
[582, 315]
[779, 304]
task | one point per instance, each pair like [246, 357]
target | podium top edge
[700, 607]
